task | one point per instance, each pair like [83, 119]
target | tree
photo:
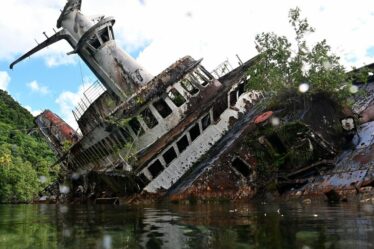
[283, 65]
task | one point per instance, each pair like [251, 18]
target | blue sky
[158, 32]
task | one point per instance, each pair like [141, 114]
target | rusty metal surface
[353, 167]
[339, 181]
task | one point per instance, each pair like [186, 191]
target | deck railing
[92, 93]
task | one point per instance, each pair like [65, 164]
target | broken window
[136, 127]
[204, 72]
[241, 166]
[104, 35]
[194, 132]
[233, 98]
[148, 118]
[94, 42]
[219, 107]
[155, 168]
[176, 97]
[182, 144]
[205, 121]
[186, 84]
[169, 155]
[162, 108]
[201, 78]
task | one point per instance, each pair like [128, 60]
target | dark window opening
[195, 132]
[241, 88]
[94, 42]
[148, 118]
[186, 84]
[233, 98]
[205, 121]
[169, 155]
[162, 108]
[143, 180]
[155, 168]
[104, 35]
[219, 108]
[204, 72]
[242, 167]
[277, 144]
[176, 97]
[182, 144]
[136, 127]
[126, 134]
[201, 78]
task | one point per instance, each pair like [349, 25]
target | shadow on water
[180, 226]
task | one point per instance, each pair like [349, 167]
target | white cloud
[170, 29]
[33, 112]
[36, 87]
[68, 101]
[4, 80]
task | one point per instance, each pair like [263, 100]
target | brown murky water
[182, 226]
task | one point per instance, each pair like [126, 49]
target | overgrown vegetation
[307, 88]
[291, 66]
[24, 159]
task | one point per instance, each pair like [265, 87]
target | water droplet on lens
[304, 87]
[275, 121]
[306, 247]
[42, 179]
[368, 208]
[107, 242]
[75, 176]
[353, 89]
[63, 209]
[327, 65]
[64, 189]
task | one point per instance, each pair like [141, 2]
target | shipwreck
[186, 131]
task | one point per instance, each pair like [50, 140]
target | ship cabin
[162, 130]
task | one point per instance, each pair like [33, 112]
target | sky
[158, 32]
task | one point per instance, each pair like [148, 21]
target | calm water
[179, 226]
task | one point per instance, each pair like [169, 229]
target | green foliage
[284, 65]
[24, 159]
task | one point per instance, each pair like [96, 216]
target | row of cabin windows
[157, 167]
[123, 136]
[170, 154]
[200, 75]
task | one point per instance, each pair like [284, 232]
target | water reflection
[178, 226]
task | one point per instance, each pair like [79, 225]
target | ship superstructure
[149, 130]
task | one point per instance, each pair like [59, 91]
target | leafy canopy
[284, 65]
[24, 159]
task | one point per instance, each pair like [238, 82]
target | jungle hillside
[25, 158]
